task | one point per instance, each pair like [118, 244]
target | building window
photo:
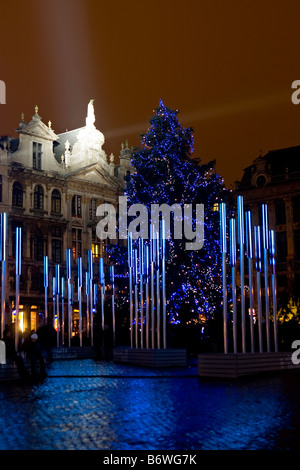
[76, 206]
[96, 246]
[280, 212]
[297, 244]
[56, 244]
[38, 198]
[37, 156]
[37, 244]
[17, 195]
[76, 243]
[296, 209]
[93, 208]
[55, 202]
[281, 246]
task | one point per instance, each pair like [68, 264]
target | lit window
[76, 243]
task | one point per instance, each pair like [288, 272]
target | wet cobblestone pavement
[95, 405]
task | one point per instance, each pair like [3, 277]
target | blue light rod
[18, 250]
[68, 253]
[257, 242]
[54, 287]
[265, 225]
[79, 272]
[272, 250]
[90, 261]
[63, 287]
[95, 294]
[87, 283]
[241, 230]
[249, 237]
[232, 243]
[146, 262]
[223, 227]
[46, 271]
[57, 275]
[3, 231]
[101, 273]
[112, 278]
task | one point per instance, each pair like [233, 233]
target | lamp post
[130, 268]
[147, 292]
[62, 310]
[46, 284]
[163, 281]
[274, 291]
[91, 277]
[241, 239]
[69, 286]
[3, 233]
[233, 279]
[249, 249]
[18, 274]
[102, 292]
[257, 243]
[112, 287]
[57, 276]
[266, 266]
[80, 298]
[141, 269]
[224, 251]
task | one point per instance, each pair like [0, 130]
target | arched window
[56, 202]
[38, 202]
[17, 195]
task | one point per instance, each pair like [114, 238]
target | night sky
[227, 66]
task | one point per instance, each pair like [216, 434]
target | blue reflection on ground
[91, 404]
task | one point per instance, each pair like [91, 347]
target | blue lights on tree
[166, 172]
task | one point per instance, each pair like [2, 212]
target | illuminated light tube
[90, 263]
[257, 243]
[57, 275]
[46, 269]
[223, 227]
[249, 249]
[265, 226]
[232, 243]
[79, 272]
[249, 238]
[18, 251]
[241, 230]
[3, 232]
[68, 263]
[272, 251]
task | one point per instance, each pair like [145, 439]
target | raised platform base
[9, 371]
[238, 365]
[151, 357]
[74, 352]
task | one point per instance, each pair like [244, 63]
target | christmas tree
[166, 172]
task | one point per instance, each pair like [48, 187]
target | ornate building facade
[50, 186]
[274, 179]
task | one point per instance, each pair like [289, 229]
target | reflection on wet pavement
[87, 404]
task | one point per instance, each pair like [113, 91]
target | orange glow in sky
[226, 66]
